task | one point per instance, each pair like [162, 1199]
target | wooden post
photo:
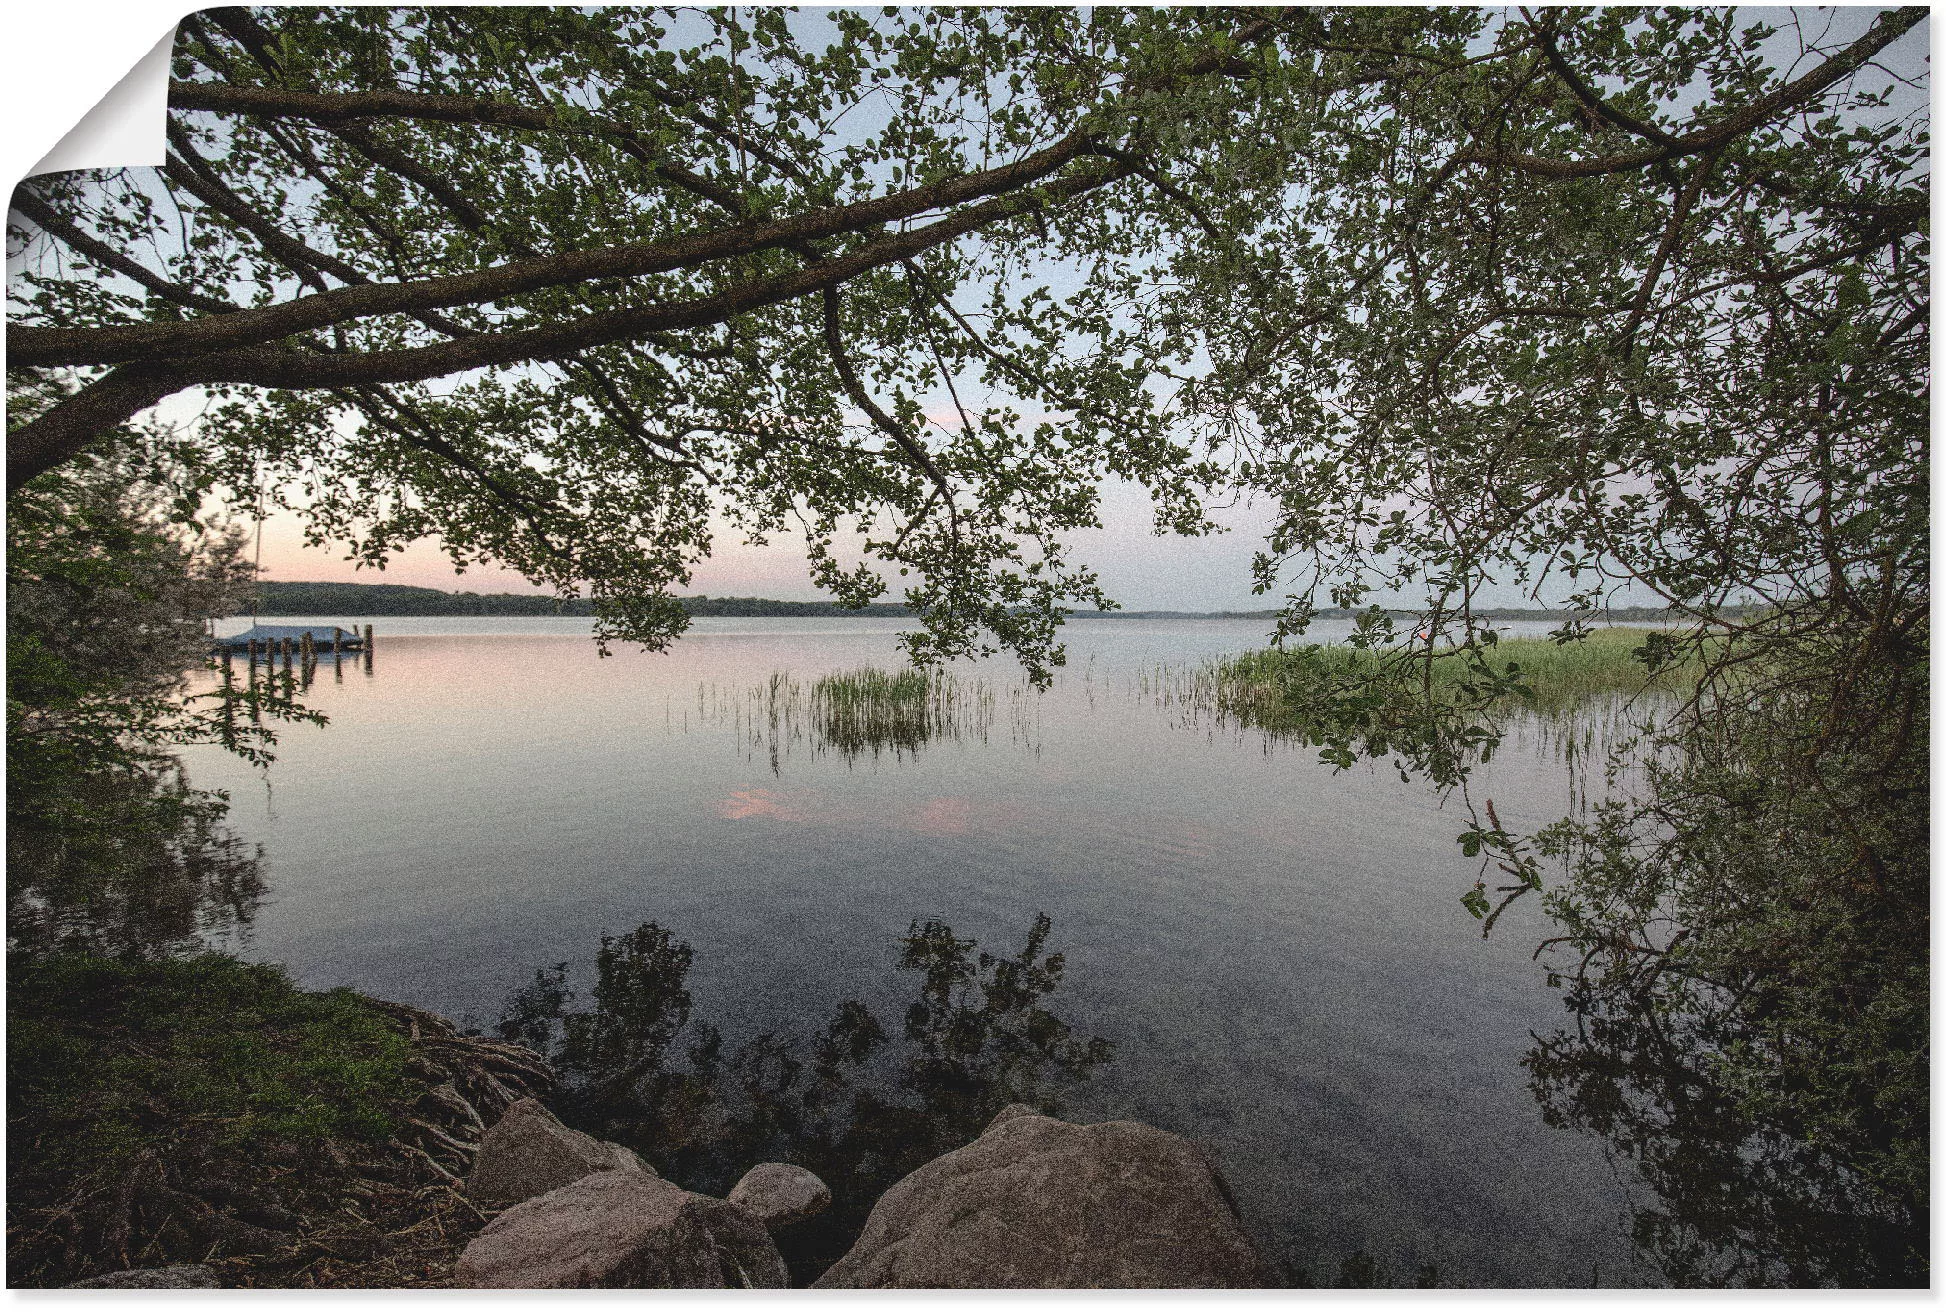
[229, 697]
[368, 650]
[253, 658]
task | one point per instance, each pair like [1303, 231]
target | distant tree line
[399, 599]
[280, 599]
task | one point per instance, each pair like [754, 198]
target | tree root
[392, 1214]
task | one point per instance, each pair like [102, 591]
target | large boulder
[155, 1277]
[622, 1230]
[780, 1194]
[1038, 1203]
[527, 1152]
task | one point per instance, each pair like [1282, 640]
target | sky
[1139, 569]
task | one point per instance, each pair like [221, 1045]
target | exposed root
[356, 1214]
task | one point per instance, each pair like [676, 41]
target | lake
[1275, 950]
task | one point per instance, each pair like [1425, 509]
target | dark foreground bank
[200, 1122]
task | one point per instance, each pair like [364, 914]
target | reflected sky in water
[1277, 951]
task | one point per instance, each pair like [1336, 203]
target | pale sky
[1139, 569]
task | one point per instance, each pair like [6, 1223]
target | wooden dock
[314, 637]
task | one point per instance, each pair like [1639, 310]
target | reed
[873, 710]
[1560, 675]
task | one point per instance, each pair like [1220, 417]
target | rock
[1008, 1112]
[780, 1194]
[622, 1230]
[158, 1277]
[527, 1152]
[1038, 1203]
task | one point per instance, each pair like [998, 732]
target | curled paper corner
[125, 128]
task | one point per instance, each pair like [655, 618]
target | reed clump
[875, 710]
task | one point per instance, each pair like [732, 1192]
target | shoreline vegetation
[395, 599]
[1607, 661]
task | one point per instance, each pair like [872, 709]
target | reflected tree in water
[858, 1102]
[1747, 958]
[1741, 1200]
[137, 865]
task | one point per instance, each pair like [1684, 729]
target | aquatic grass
[877, 689]
[1580, 700]
[855, 712]
[1559, 676]
[873, 710]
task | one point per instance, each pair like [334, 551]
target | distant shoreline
[379, 600]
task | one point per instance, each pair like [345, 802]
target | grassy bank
[205, 1109]
[1584, 696]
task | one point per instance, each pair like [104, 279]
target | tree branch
[1665, 249]
[1887, 29]
[1586, 94]
[193, 174]
[67, 429]
[56, 435]
[40, 212]
[80, 346]
[834, 345]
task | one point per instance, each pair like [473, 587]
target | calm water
[1276, 951]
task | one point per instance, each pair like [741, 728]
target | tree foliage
[663, 264]
[1587, 283]
[1625, 302]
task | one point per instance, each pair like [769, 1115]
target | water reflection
[287, 668]
[1818, 1188]
[1741, 1200]
[861, 1102]
[128, 862]
[1274, 947]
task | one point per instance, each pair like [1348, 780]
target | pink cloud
[944, 815]
[756, 803]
